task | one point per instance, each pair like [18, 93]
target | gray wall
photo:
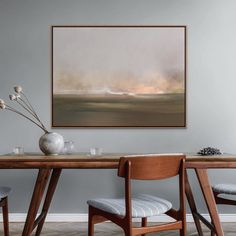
[25, 59]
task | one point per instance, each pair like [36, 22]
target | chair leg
[144, 223]
[212, 231]
[90, 223]
[127, 232]
[5, 217]
[182, 232]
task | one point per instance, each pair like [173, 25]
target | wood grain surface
[105, 161]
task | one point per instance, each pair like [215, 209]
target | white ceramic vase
[51, 143]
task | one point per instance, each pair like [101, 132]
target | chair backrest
[151, 167]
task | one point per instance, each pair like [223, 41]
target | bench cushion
[4, 191]
[225, 188]
[143, 205]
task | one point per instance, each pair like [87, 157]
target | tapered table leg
[192, 205]
[209, 199]
[39, 188]
[51, 189]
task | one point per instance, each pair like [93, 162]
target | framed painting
[118, 76]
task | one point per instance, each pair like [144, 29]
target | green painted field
[115, 110]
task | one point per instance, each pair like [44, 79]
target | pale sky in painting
[125, 60]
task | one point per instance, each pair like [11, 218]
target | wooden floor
[105, 229]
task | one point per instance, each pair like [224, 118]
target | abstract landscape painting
[119, 76]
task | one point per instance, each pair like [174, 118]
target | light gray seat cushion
[143, 205]
[225, 188]
[4, 191]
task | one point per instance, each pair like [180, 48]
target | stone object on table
[209, 151]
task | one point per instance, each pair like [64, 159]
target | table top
[105, 161]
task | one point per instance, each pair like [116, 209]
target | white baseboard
[20, 217]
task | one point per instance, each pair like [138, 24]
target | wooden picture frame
[118, 76]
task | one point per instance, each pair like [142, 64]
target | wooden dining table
[50, 167]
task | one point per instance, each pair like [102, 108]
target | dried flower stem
[28, 111]
[29, 104]
[21, 114]
[28, 108]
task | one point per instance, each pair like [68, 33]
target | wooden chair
[218, 190]
[4, 191]
[121, 211]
